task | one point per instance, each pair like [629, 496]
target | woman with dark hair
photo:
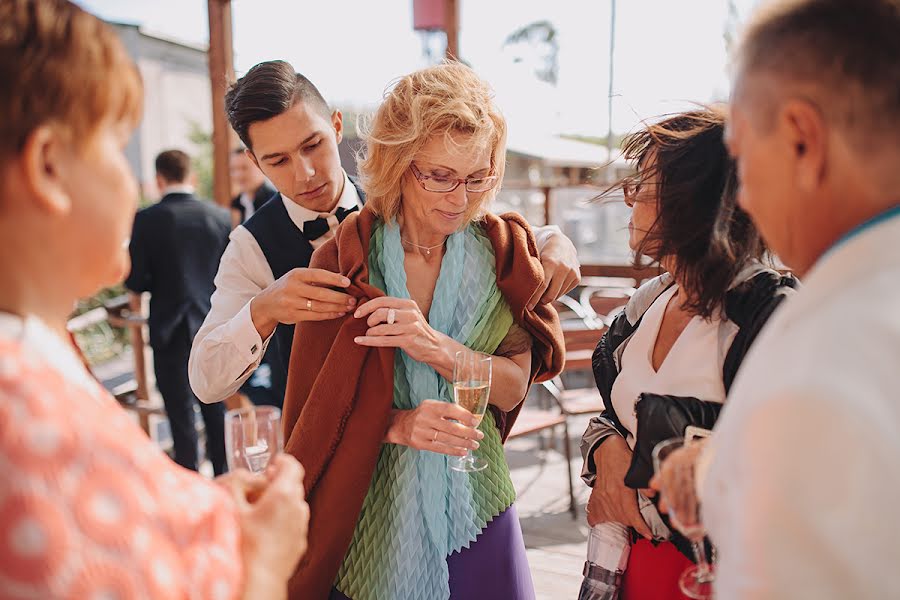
[676, 346]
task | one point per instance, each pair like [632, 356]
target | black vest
[285, 248]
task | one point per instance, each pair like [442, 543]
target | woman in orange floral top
[89, 507]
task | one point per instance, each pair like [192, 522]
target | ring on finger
[391, 317]
[309, 305]
[434, 438]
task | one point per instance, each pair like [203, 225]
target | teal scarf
[417, 510]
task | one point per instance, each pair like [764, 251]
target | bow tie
[318, 227]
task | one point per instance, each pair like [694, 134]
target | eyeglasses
[634, 185]
[631, 186]
[432, 183]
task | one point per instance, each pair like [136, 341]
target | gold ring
[309, 305]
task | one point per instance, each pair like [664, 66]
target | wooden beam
[221, 75]
[638, 273]
[547, 208]
[451, 26]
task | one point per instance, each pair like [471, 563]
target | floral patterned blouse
[89, 506]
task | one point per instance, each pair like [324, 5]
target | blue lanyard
[879, 218]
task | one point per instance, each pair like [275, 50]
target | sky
[669, 54]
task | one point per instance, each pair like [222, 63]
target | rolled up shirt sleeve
[227, 349]
[599, 428]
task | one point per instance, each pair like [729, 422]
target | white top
[693, 366]
[177, 188]
[246, 201]
[227, 348]
[803, 490]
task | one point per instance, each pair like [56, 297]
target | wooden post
[547, 208]
[135, 323]
[612, 62]
[451, 26]
[221, 75]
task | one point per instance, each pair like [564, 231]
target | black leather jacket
[748, 304]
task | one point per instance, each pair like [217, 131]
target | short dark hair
[173, 165]
[267, 90]
[698, 223]
[848, 52]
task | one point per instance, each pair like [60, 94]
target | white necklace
[427, 249]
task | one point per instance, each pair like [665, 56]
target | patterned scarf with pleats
[417, 510]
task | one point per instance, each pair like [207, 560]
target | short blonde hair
[442, 100]
[60, 64]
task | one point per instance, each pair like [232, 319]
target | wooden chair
[534, 420]
[573, 315]
[580, 344]
[575, 401]
[605, 301]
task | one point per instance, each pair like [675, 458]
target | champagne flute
[471, 390]
[697, 580]
[252, 437]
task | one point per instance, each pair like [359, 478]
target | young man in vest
[263, 287]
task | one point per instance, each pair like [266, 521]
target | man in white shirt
[798, 486]
[254, 189]
[263, 287]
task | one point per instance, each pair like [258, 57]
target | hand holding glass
[471, 390]
[252, 437]
[696, 581]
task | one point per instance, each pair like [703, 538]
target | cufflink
[253, 349]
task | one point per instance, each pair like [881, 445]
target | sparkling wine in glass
[697, 580]
[471, 390]
[252, 437]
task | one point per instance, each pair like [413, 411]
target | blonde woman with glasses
[369, 407]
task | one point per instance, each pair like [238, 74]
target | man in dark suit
[175, 249]
[255, 189]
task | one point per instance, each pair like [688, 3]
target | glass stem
[703, 570]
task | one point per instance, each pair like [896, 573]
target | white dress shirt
[177, 188]
[227, 349]
[802, 491]
[246, 201]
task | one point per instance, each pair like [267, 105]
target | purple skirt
[493, 566]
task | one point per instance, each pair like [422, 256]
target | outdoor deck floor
[555, 542]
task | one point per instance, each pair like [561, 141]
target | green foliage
[202, 160]
[101, 342]
[539, 37]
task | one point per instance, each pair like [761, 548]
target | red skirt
[653, 572]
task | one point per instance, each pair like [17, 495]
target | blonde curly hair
[442, 100]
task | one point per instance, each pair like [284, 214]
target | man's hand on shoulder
[562, 271]
[300, 295]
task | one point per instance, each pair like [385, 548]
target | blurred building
[177, 102]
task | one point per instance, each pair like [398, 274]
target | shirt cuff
[245, 338]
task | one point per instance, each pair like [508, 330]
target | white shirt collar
[299, 215]
[38, 339]
[177, 188]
